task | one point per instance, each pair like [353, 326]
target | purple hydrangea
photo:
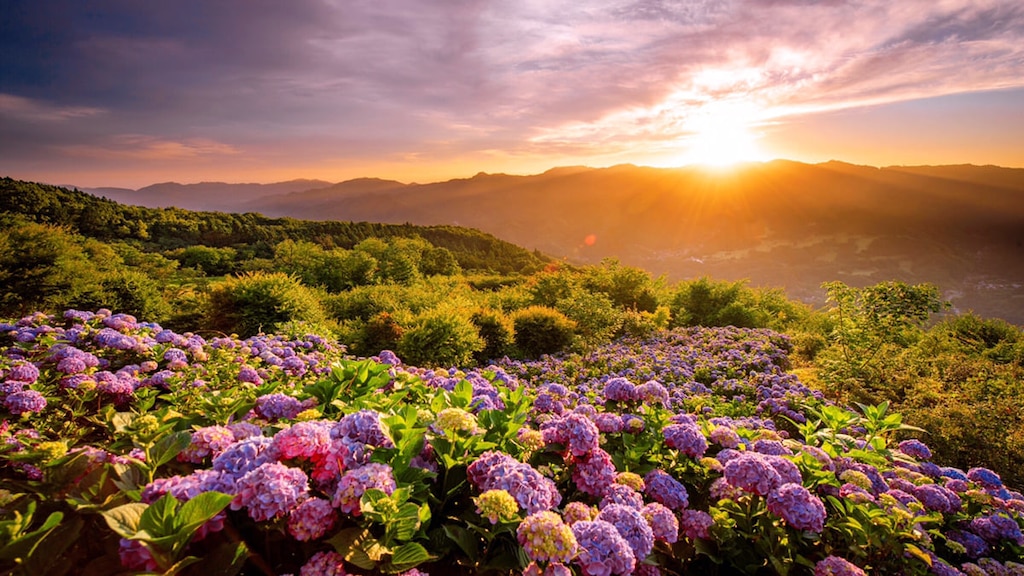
[798, 507]
[498, 471]
[577, 512]
[243, 456]
[25, 372]
[620, 390]
[602, 550]
[725, 437]
[357, 481]
[664, 524]
[578, 433]
[363, 426]
[594, 472]
[771, 447]
[135, 555]
[666, 490]
[546, 538]
[997, 527]
[752, 472]
[915, 449]
[620, 494]
[652, 392]
[632, 526]
[938, 498]
[25, 402]
[249, 375]
[276, 406]
[608, 422]
[985, 477]
[311, 519]
[974, 545]
[271, 490]
[687, 438]
[836, 566]
[697, 524]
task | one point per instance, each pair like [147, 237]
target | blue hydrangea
[24, 372]
[997, 527]
[974, 545]
[620, 390]
[498, 471]
[621, 494]
[244, 456]
[985, 477]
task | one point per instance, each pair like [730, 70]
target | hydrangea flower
[552, 569]
[666, 490]
[602, 550]
[653, 392]
[206, 441]
[25, 402]
[328, 563]
[725, 437]
[277, 406]
[458, 420]
[244, 456]
[135, 555]
[631, 479]
[620, 390]
[752, 472]
[608, 422]
[578, 433]
[621, 494]
[798, 507]
[997, 527]
[578, 512]
[357, 481]
[631, 525]
[309, 440]
[938, 498]
[974, 546]
[687, 438]
[855, 493]
[836, 566]
[546, 538]
[496, 505]
[594, 472]
[985, 477]
[270, 491]
[249, 375]
[696, 524]
[664, 524]
[311, 519]
[916, 449]
[499, 471]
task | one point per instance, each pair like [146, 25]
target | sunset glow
[332, 90]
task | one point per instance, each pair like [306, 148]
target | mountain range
[777, 224]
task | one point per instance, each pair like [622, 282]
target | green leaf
[126, 519]
[168, 447]
[201, 508]
[409, 555]
[226, 560]
[463, 539]
[158, 519]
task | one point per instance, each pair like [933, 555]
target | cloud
[404, 79]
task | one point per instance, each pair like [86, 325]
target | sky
[127, 93]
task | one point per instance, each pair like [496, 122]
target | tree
[260, 302]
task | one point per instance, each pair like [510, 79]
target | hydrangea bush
[128, 447]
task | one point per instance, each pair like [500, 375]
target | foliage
[279, 454]
[496, 331]
[258, 302]
[442, 337]
[541, 330]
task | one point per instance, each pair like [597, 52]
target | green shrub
[129, 292]
[496, 330]
[381, 332]
[641, 324]
[541, 330]
[440, 338]
[259, 302]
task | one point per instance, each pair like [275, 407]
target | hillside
[168, 228]
[781, 223]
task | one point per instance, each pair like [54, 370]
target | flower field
[129, 448]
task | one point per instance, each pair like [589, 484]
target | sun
[722, 135]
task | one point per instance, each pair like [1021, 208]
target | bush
[129, 292]
[440, 338]
[496, 330]
[541, 330]
[259, 302]
[382, 332]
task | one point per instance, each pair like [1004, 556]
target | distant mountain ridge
[208, 196]
[780, 223]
